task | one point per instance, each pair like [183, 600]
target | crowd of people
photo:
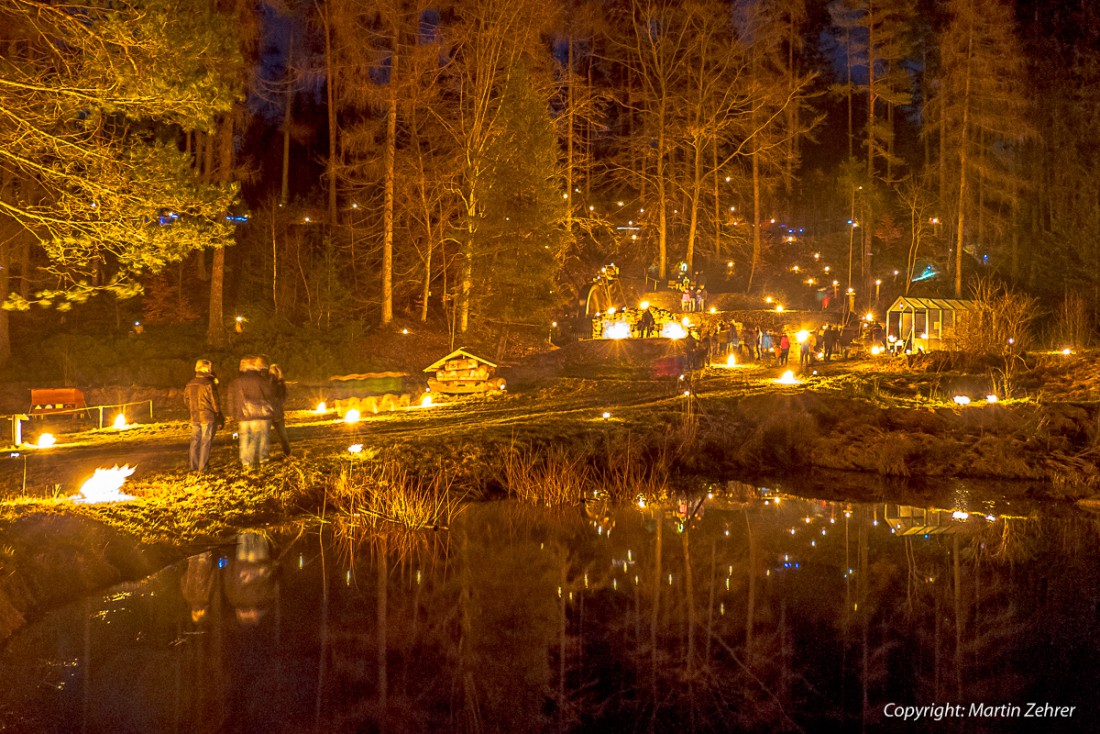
[750, 343]
[257, 399]
[693, 296]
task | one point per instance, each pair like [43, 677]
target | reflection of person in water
[198, 583]
[250, 581]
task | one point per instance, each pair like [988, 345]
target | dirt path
[163, 447]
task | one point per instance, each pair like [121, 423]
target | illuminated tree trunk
[215, 327]
[390, 183]
[757, 246]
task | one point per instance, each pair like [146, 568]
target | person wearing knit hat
[201, 397]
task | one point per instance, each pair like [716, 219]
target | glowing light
[46, 440]
[355, 448]
[321, 407]
[768, 299]
[1067, 351]
[240, 319]
[673, 330]
[876, 350]
[869, 317]
[104, 486]
[352, 416]
[788, 378]
[643, 305]
[606, 415]
[404, 331]
[961, 400]
[801, 336]
[731, 361]
[960, 515]
[713, 309]
[990, 398]
[641, 501]
[611, 311]
[120, 423]
[779, 308]
[617, 330]
[686, 322]
[426, 401]
[687, 393]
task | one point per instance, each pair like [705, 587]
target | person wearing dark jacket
[250, 398]
[201, 397]
[278, 403]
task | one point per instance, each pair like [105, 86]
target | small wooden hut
[927, 324]
[463, 373]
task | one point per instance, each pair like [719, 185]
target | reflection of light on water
[105, 486]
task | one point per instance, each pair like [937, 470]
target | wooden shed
[461, 372]
[927, 324]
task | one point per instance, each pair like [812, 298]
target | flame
[673, 330]
[352, 416]
[46, 440]
[961, 400]
[731, 361]
[104, 486]
[321, 407]
[788, 378]
[120, 422]
[355, 448]
[617, 330]
[426, 401]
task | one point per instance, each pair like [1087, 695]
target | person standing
[201, 398]
[278, 403]
[250, 397]
[784, 349]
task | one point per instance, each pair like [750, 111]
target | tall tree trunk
[215, 327]
[330, 96]
[696, 195]
[569, 186]
[662, 193]
[756, 239]
[390, 183]
[284, 191]
[963, 143]
[467, 283]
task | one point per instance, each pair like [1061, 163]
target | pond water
[745, 610]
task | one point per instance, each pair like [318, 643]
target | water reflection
[740, 610]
